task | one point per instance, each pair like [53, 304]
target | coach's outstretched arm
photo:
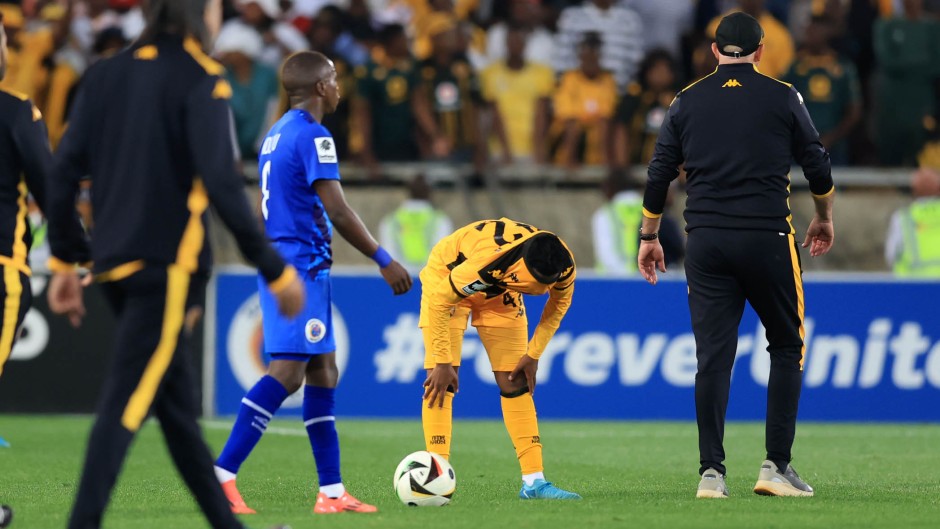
[214, 157]
[350, 226]
[809, 152]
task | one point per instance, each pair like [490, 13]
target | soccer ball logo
[315, 330]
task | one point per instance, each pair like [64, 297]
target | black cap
[741, 30]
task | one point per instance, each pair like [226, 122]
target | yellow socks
[438, 424]
[523, 428]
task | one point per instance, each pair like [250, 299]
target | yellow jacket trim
[650, 215]
[831, 191]
[120, 272]
[59, 266]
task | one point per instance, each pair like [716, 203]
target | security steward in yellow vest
[912, 247]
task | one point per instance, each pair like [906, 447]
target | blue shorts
[310, 333]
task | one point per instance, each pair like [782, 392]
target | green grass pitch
[638, 475]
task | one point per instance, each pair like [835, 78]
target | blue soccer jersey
[297, 152]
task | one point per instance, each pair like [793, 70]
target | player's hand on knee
[65, 296]
[397, 277]
[440, 378]
[291, 300]
[527, 367]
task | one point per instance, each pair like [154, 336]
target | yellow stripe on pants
[11, 312]
[798, 281]
[177, 288]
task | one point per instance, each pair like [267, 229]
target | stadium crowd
[567, 82]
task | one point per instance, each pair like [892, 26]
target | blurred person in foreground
[907, 49]
[446, 106]
[517, 93]
[254, 85]
[25, 162]
[161, 108]
[414, 227]
[737, 131]
[641, 111]
[779, 49]
[302, 201]
[831, 89]
[912, 247]
[385, 93]
[616, 227]
[585, 102]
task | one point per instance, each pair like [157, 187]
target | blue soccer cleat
[544, 490]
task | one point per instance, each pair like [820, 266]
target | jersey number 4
[265, 192]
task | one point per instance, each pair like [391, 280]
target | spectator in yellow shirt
[584, 105]
[26, 72]
[517, 92]
[423, 13]
[779, 50]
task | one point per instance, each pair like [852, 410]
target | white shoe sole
[772, 488]
[710, 494]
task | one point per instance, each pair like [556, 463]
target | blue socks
[321, 428]
[258, 407]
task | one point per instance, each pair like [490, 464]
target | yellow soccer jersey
[483, 260]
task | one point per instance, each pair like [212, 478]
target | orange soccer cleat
[345, 503]
[235, 498]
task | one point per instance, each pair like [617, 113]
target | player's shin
[523, 427]
[257, 408]
[320, 422]
[438, 425]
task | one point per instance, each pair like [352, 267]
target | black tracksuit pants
[725, 268]
[149, 372]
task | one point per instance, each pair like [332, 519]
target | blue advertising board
[624, 351]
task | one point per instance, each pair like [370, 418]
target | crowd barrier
[624, 351]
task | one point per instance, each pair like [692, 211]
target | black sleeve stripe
[453, 286]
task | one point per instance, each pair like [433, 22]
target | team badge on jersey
[326, 150]
[473, 288]
[315, 330]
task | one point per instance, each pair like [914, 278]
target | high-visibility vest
[626, 218]
[921, 228]
[415, 231]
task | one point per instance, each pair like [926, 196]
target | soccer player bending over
[301, 201]
[482, 270]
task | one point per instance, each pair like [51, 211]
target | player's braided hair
[548, 256]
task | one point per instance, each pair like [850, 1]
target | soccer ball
[423, 479]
